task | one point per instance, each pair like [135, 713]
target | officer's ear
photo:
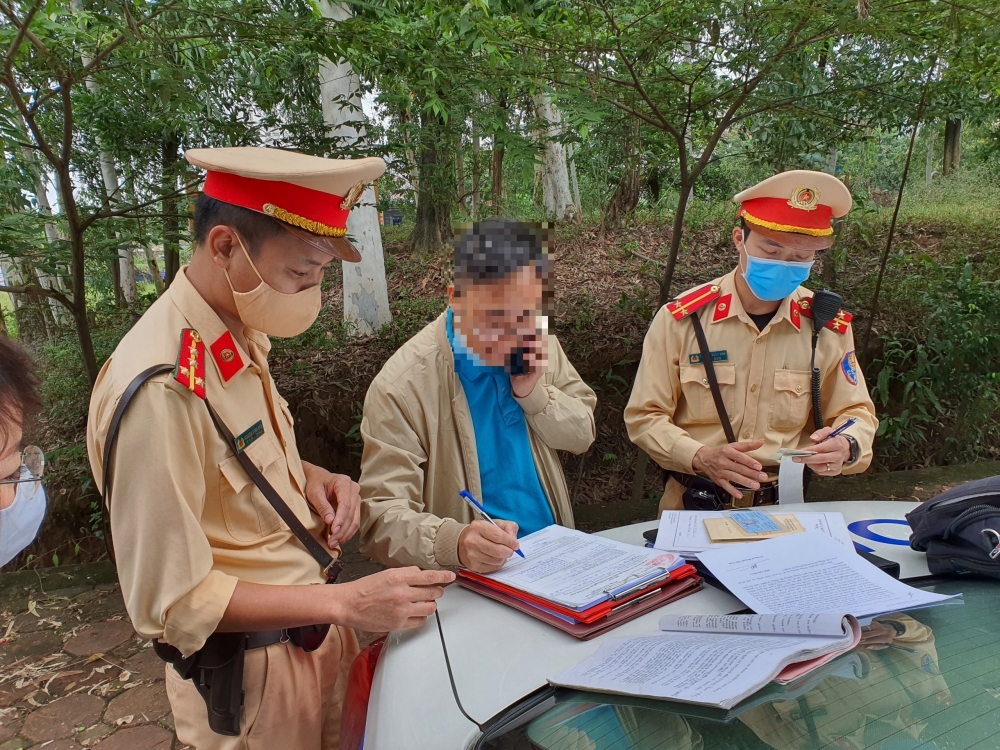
[221, 244]
[738, 237]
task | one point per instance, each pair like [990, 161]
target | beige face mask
[275, 313]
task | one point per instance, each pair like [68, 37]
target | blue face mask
[773, 280]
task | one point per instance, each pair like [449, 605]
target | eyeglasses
[31, 469]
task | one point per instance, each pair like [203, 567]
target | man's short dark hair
[19, 398]
[255, 227]
[496, 248]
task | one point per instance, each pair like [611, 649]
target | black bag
[959, 529]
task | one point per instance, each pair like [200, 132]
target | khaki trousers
[292, 700]
[673, 497]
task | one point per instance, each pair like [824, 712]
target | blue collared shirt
[511, 489]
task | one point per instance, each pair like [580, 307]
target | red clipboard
[622, 612]
[585, 617]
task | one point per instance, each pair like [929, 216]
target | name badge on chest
[720, 356]
[246, 439]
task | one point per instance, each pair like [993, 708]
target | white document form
[811, 573]
[579, 570]
[684, 532]
[709, 667]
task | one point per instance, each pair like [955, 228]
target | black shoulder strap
[111, 441]
[330, 566]
[713, 381]
[326, 561]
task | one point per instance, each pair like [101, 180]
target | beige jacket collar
[728, 306]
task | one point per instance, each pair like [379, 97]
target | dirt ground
[73, 672]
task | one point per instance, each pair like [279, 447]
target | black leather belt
[766, 495]
[263, 638]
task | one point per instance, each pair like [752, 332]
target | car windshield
[926, 679]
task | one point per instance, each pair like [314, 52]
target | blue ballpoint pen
[840, 429]
[479, 510]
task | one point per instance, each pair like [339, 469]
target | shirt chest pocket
[698, 394]
[791, 400]
[248, 514]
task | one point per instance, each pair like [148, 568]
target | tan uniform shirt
[420, 448]
[187, 522]
[764, 378]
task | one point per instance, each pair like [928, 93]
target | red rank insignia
[190, 368]
[693, 301]
[722, 308]
[795, 315]
[227, 356]
[840, 324]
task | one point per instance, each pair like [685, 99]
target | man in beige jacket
[480, 400]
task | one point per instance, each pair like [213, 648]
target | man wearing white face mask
[22, 497]
[726, 376]
[220, 530]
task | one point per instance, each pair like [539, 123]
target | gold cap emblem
[352, 196]
[804, 198]
[227, 355]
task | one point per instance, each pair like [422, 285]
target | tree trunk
[169, 206]
[475, 171]
[574, 184]
[497, 174]
[676, 232]
[831, 160]
[460, 181]
[154, 269]
[124, 275]
[556, 193]
[28, 311]
[366, 296]
[58, 313]
[929, 164]
[952, 146]
[433, 224]
[653, 183]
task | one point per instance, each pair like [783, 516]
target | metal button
[753, 388]
[705, 381]
[757, 341]
[798, 389]
[746, 435]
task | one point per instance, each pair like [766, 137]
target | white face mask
[20, 521]
[275, 313]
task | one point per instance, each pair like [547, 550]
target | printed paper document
[811, 573]
[684, 532]
[713, 660]
[580, 570]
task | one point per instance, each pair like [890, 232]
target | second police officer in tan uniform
[206, 463]
[757, 322]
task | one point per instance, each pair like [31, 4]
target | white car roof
[499, 655]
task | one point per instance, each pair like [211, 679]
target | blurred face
[10, 464]
[496, 317]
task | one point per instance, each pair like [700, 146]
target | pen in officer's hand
[839, 430]
[481, 512]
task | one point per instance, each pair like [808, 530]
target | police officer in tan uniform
[205, 559]
[757, 322]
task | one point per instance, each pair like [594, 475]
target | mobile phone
[517, 361]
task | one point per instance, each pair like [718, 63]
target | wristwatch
[855, 450]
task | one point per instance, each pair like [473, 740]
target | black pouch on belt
[216, 670]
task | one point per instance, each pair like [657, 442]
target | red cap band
[777, 214]
[313, 210]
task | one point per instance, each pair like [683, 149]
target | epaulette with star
[693, 301]
[840, 324]
[190, 368]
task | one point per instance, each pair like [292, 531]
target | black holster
[217, 673]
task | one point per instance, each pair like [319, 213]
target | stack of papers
[714, 660]
[577, 577]
[809, 592]
[814, 574]
[684, 532]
